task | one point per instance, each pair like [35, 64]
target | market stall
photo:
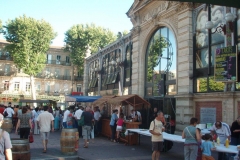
[123, 104]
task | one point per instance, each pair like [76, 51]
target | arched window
[93, 75]
[161, 64]
[110, 70]
[128, 66]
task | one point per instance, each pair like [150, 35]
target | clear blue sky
[62, 14]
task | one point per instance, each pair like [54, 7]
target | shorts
[45, 135]
[119, 128]
[157, 146]
[86, 131]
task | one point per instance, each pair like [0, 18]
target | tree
[29, 41]
[79, 36]
[0, 26]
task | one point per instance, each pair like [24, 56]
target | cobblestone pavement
[101, 149]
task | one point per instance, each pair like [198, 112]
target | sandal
[85, 146]
[44, 151]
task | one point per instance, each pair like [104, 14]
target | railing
[58, 62]
[2, 73]
[60, 77]
[4, 57]
[77, 78]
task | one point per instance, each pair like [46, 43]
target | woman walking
[56, 118]
[192, 138]
[36, 113]
[24, 123]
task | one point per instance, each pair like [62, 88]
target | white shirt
[222, 132]
[45, 120]
[78, 114]
[66, 113]
[138, 113]
[10, 111]
[97, 115]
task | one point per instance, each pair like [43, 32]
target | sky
[63, 14]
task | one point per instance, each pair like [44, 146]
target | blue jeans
[113, 129]
[190, 152]
[64, 124]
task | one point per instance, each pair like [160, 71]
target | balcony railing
[60, 77]
[4, 57]
[2, 73]
[64, 63]
[77, 78]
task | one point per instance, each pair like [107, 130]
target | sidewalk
[101, 149]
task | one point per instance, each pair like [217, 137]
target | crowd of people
[42, 120]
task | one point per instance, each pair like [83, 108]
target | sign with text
[207, 115]
[226, 64]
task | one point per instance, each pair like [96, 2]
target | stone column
[184, 102]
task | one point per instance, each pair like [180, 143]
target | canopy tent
[81, 98]
[133, 100]
[34, 101]
[228, 3]
[102, 100]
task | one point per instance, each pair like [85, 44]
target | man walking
[88, 120]
[9, 111]
[156, 129]
[77, 116]
[45, 121]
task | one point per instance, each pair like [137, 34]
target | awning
[34, 101]
[229, 3]
[102, 100]
[81, 98]
[133, 100]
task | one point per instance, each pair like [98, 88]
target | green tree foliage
[79, 36]
[213, 85]
[29, 41]
[155, 51]
[0, 26]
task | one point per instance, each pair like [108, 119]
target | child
[207, 147]
[199, 154]
[119, 125]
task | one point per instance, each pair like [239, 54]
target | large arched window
[93, 75]
[110, 70]
[128, 66]
[161, 64]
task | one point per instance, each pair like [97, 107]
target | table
[179, 139]
[205, 131]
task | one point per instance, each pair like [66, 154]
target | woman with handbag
[192, 138]
[24, 124]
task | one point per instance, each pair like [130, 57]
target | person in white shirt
[36, 113]
[9, 110]
[45, 123]
[97, 116]
[77, 116]
[223, 132]
[65, 114]
[136, 115]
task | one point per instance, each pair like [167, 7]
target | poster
[207, 115]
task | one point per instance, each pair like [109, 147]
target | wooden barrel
[7, 124]
[69, 141]
[20, 149]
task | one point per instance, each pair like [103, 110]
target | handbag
[5, 114]
[30, 138]
[81, 121]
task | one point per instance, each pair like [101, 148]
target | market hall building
[168, 58]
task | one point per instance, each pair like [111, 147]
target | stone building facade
[59, 78]
[190, 89]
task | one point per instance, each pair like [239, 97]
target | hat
[9, 103]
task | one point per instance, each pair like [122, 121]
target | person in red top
[2, 108]
[119, 125]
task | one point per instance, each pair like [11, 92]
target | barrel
[20, 149]
[69, 141]
[7, 125]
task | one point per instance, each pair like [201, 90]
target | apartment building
[59, 78]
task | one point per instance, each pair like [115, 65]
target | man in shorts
[156, 129]
[87, 128]
[44, 121]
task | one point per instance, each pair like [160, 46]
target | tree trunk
[33, 90]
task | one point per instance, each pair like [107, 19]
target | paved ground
[101, 149]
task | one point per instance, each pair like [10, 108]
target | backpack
[5, 114]
[81, 121]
